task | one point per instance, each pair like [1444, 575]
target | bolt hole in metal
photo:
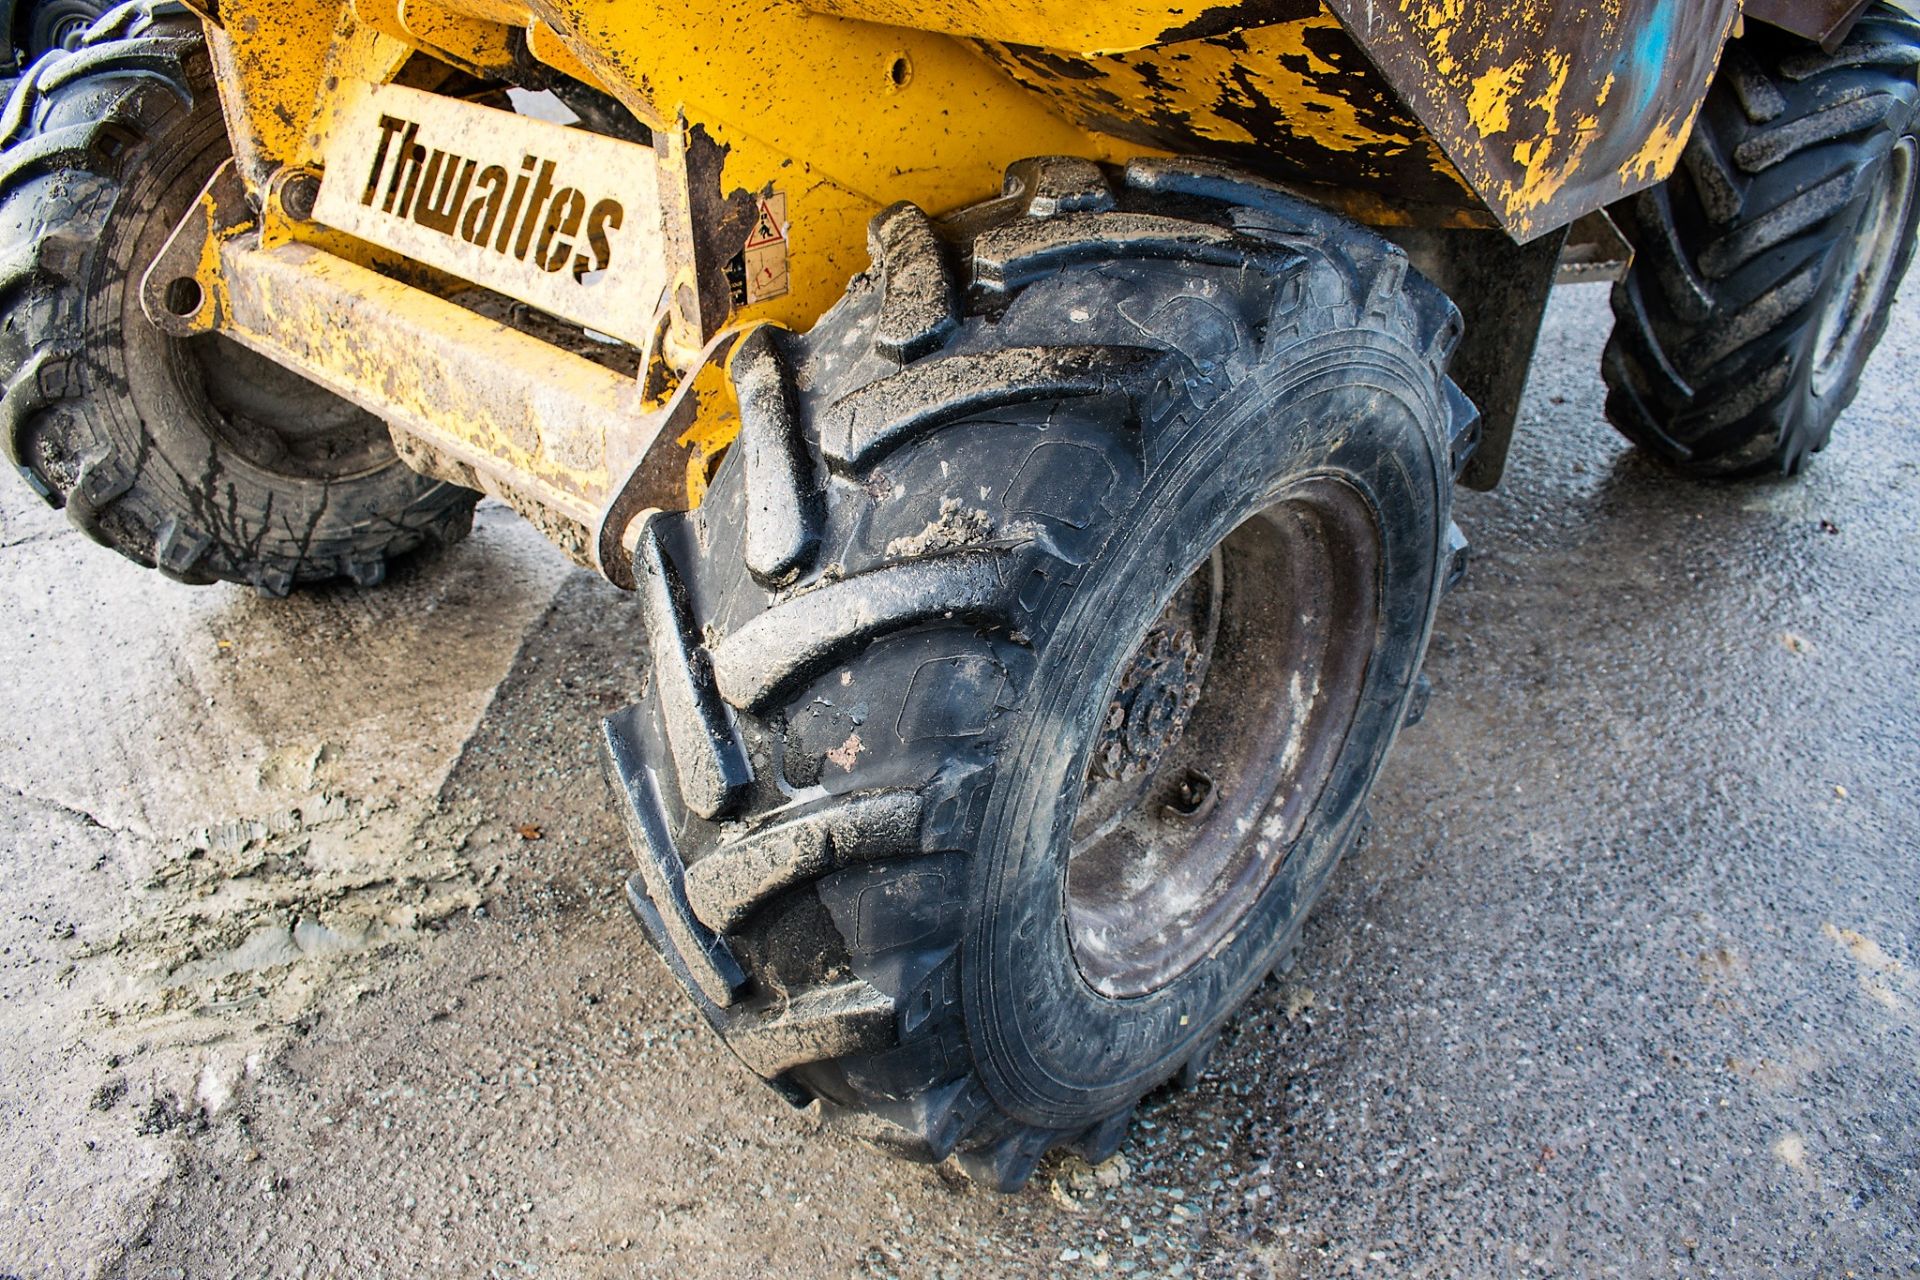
[1221, 731]
[185, 297]
[1867, 277]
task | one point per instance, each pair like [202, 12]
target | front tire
[1026, 669]
[1765, 267]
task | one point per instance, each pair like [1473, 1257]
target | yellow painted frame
[840, 108]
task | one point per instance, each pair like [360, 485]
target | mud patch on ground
[1882, 979]
[221, 818]
[230, 919]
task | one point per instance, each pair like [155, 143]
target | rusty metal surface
[1293, 100]
[1502, 290]
[527, 418]
[1550, 108]
[1826, 21]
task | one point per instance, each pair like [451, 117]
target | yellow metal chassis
[473, 400]
[837, 107]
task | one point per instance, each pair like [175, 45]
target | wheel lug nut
[1192, 798]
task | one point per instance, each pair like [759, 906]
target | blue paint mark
[1644, 61]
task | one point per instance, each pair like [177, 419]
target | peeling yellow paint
[1490, 104]
[1522, 111]
[1275, 88]
[714, 427]
[1660, 154]
[1548, 100]
[1527, 98]
[1443, 15]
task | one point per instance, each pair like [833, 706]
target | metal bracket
[665, 474]
[183, 291]
[1595, 251]
[537, 420]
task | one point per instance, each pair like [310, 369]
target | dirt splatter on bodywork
[1550, 108]
[1530, 114]
[781, 128]
[1296, 100]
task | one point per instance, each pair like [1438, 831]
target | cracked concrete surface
[207, 799]
[312, 960]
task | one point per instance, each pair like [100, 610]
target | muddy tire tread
[1732, 253]
[869, 1028]
[134, 63]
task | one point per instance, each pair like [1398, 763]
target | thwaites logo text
[525, 215]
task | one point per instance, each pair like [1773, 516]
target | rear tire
[1026, 669]
[1764, 268]
[194, 456]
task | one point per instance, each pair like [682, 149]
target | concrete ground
[312, 958]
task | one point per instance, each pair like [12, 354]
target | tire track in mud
[222, 815]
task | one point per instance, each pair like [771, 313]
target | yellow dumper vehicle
[1030, 426]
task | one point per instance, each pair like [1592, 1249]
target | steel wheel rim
[67, 34]
[1867, 276]
[1221, 729]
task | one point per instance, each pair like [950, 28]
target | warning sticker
[765, 255]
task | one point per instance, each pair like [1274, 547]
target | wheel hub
[1222, 726]
[1157, 691]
